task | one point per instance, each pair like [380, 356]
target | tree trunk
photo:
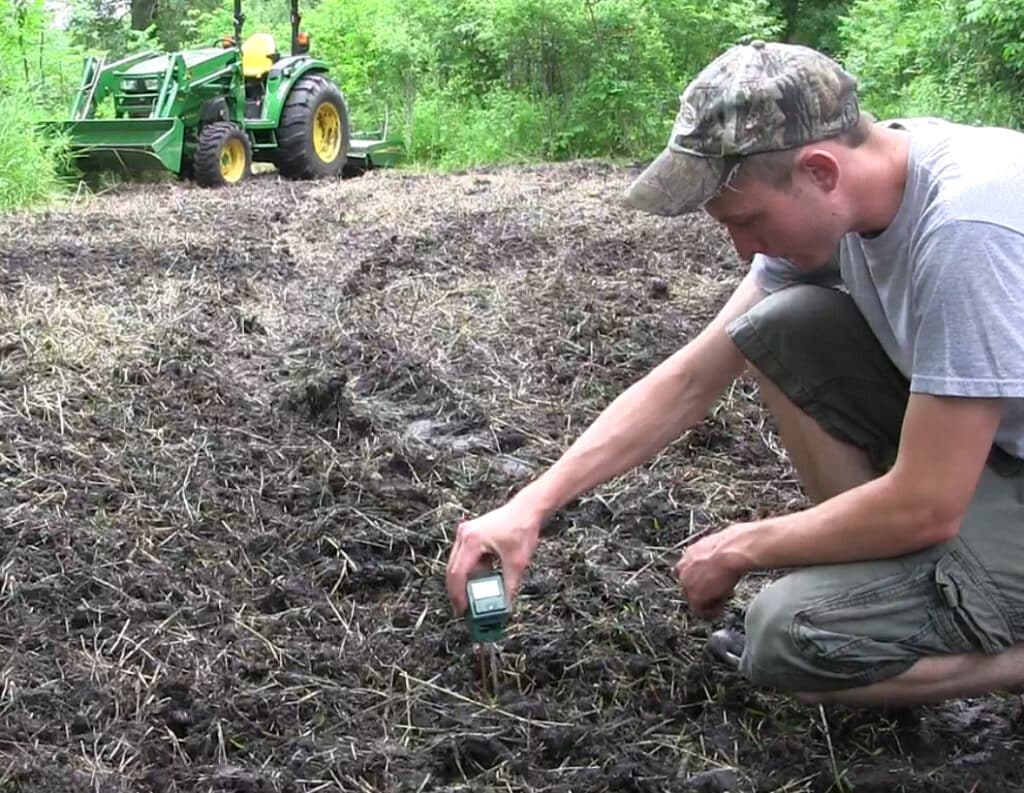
[791, 16]
[143, 12]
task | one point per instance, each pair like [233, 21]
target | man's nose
[746, 244]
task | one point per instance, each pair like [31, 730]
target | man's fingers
[469, 556]
[456, 582]
[513, 577]
[474, 552]
[457, 579]
[456, 546]
[459, 565]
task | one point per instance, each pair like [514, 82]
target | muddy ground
[237, 430]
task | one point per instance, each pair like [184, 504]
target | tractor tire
[312, 138]
[223, 155]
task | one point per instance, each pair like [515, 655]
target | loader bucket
[128, 145]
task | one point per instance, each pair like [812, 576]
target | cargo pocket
[876, 624]
[972, 608]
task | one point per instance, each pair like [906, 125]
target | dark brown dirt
[237, 429]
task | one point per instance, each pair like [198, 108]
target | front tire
[223, 155]
[313, 136]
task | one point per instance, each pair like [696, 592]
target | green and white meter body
[488, 607]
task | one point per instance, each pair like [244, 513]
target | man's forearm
[880, 519]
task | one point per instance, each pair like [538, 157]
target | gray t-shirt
[943, 286]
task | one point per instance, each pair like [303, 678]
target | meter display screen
[488, 609]
[485, 589]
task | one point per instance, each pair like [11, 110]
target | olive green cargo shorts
[842, 626]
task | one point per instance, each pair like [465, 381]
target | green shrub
[947, 58]
[30, 160]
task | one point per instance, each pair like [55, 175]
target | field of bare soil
[237, 430]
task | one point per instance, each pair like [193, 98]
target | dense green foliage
[472, 81]
[35, 74]
[466, 82]
[951, 58]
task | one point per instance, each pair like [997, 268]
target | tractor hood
[159, 63]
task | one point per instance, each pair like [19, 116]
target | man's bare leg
[828, 466]
[938, 678]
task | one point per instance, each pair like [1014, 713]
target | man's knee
[770, 656]
[808, 633]
[803, 323]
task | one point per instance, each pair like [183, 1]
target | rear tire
[223, 155]
[312, 139]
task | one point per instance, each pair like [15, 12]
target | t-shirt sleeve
[968, 308]
[773, 274]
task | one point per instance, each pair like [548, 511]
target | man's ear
[821, 167]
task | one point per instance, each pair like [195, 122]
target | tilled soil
[237, 430]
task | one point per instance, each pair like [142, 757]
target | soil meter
[488, 607]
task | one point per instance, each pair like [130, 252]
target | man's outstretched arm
[645, 418]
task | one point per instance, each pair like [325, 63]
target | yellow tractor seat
[259, 53]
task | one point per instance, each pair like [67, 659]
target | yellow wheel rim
[327, 132]
[232, 160]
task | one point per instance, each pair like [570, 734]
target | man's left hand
[708, 572]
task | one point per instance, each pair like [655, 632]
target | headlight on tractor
[132, 85]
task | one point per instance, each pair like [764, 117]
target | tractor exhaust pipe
[239, 20]
[296, 19]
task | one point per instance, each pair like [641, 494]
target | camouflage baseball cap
[752, 98]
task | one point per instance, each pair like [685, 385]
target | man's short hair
[775, 168]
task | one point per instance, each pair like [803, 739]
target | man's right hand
[510, 533]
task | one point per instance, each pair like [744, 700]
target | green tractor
[208, 114]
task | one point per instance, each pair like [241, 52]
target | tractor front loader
[209, 113]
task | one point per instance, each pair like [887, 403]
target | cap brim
[675, 183]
